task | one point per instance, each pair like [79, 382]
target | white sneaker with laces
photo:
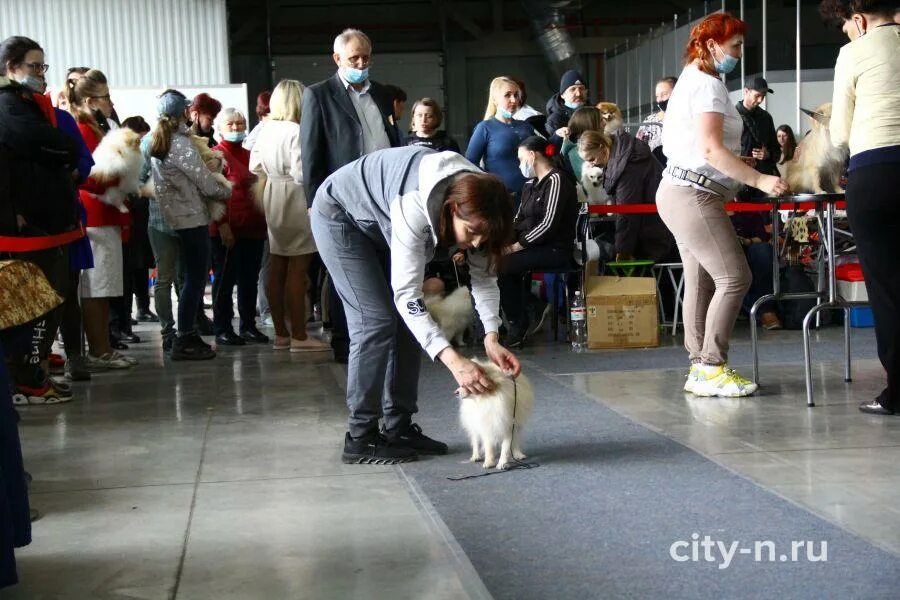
[720, 380]
[106, 361]
[119, 356]
[691, 378]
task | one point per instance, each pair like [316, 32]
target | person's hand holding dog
[471, 378]
[501, 356]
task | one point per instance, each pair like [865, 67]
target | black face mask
[662, 104]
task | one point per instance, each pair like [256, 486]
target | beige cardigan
[866, 103]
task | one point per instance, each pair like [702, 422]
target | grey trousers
[716, 273]
[384, 360]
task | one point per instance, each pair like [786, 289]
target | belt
[701, 180]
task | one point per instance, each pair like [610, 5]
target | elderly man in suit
[343, 118]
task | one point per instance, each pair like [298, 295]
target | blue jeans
[194, 260]
[384, 359]
[166, 248]
[759, 257]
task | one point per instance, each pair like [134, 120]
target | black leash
[516, 463]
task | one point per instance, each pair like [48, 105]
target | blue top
[497, 143]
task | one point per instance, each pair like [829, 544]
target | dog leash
[517, 464]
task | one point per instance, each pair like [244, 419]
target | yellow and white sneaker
[719, 380]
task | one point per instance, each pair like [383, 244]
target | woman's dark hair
[586, 118]
[13, 51]
[395, 93]
[137, 124]
[541, 146]
[790, 146]
[262, 104]
[835, 12]
[479, 196]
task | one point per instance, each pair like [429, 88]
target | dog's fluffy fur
[118, 158]
[818, 165]
[612, 115]
[453, 313]
[591, 188]
[216, 207]
[489, 418]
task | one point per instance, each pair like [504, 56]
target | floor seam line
[187, 530]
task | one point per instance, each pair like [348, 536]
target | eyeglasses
[105, 97]
[39, 67]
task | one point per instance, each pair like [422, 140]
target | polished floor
[222, 479]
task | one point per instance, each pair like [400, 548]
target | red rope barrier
[35, 243]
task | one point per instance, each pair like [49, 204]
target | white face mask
[527, 170]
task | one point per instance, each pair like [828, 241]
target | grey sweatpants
[384, 361]
[716, 273]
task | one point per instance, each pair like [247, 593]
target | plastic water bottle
[578, 323]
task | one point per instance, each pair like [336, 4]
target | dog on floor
[497, 418]
[453, 313]
[818, 165]
[591, 189]
[118, 159]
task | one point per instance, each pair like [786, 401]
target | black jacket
[547, 211]
[36, 164]
[330, 131]
[440, 142]
[632, 177]
[758, 132]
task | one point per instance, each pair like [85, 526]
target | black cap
[760, 85]
[569, 79]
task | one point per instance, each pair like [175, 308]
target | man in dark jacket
[344, 117]
[572, 96]
[758, 139]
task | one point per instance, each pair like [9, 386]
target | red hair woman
[702, 140]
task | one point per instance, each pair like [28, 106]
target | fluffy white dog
[118, 158]
[453, 313]
[497, 418]
[591, 188]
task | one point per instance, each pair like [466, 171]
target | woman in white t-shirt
[702, 140]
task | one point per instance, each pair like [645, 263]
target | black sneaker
[191, 347]
[413, 438]
[205, 325]
[168, 338]
[229, 338]
[516, 336]
[375, 449]
[254, 336]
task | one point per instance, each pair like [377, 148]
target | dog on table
[818, 165]
[453, 313]
[118, 161]
[497, 418]
[591, 188]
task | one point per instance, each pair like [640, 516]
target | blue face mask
[728, 63]
[234, 136]
[355, 76]
[502, 112]
[574, 105]
[33, 83]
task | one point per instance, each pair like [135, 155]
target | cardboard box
[622, 312]
[852, 291]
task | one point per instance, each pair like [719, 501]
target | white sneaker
[106, 362]
[691, 378]
[130, 360]
[721, 381]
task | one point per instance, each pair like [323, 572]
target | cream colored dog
[818, 165]
[118, 161]
[453, 313]
[497, 418]
[215, 162]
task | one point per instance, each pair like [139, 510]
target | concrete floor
[222, 479]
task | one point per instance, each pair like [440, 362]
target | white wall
[166, 43]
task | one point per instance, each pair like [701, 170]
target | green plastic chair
[630, 268]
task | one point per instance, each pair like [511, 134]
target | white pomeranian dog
[591, 188]
[118, 158]
[498, 418]
[453, 313]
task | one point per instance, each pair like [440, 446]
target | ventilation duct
[552, 36]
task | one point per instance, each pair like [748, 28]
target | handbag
[25, 294]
